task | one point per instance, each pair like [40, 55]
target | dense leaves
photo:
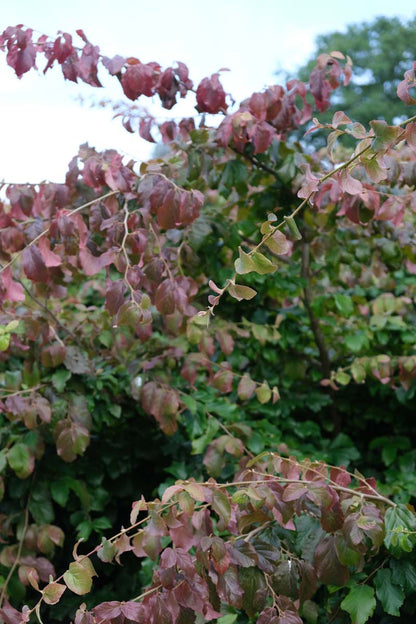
[239, 313]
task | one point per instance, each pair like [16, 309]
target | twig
[39, 236]
[18, 555]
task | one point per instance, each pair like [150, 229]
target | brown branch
[257, 163]
[18, 555]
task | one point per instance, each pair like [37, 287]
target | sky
[42, 121]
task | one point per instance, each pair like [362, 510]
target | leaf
[327, 565]
[400, 527]
[165, 297]
[359, 603]
[390, 595]
[411, 134]
[246, 387]
[240, 292]
[222, 506]
[72, 439]
[210, 95]
[93, 264]
[344, 304]
[278, 243]
[261, 264]
[20, 460]
[253, 584]
[52, 593]
[10, 615]
[33, 264]
[263, 393]
[244, 263]
[223, 380]
[77, 361]
[385, 136]
[294, 230]
[78, 578]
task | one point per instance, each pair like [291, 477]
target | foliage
[381, 52]
[217, 336]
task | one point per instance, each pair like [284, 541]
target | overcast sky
[42, 122]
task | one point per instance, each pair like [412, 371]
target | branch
[18, 555]
[307, 300]
[39, 236]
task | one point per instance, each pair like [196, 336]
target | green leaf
[244, 263]
[344, 304]
[107, 551]
[60, 492]
[52, 593]
[59, 379]
[78, 578]
[358, 371]
[263, 393]
[262, 265]
[252, 582]
[390, 595]
[404, 574]
[4, 342]
[12, 326]
[253, 262]
[3, 460]
[20, 460]
[294, 230]
[342, 378]
[359, 603]
[385, 135]
[42, 510]
[229, 618]
[222, 506]
[400, 526]
[239, 292]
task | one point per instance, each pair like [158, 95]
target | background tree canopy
[381, 51]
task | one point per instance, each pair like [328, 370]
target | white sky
[42, 123]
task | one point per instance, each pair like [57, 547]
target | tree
[239, 313]
[381, 51]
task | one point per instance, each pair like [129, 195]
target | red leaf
[13, 290]
[10, 615]
[169, 131]
[107, 611]
[21, 53]
[87, 65]
[167, 213]
[139, 79]
[223, 380]
[93, 264]
[407, 84]
[262, 137]
[50, 258]
[246, 387]
[114, 296]
[411, 134]
[327, 565]
[165, 297]
[144, 129]
[71, 440]
[60, 51]
[113, 65]
[162, 403]
[210, 95]
[33, 264]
